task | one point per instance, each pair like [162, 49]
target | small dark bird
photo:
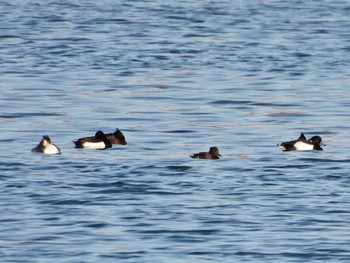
[212, 154]
[301, 144]
[116, 137]
[99, 142]
[45, 146]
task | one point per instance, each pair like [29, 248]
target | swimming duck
[212, 154]
[99, 142]
[116, 137]
[301, 144]
[45, 146]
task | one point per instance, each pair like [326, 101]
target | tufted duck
[45, 146]
[99, 142]
[212, 154]
[301, 144]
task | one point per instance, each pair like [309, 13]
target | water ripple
[176, 77]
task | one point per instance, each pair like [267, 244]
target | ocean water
[176, 77]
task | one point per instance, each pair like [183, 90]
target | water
[176, 78]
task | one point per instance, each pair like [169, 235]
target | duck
[212, 154]
[301, 144]
[116, 137]
[98, 142]
[46, 146]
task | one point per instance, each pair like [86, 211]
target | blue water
[176, 77]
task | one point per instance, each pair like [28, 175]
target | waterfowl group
[103, 141]
[100, 141]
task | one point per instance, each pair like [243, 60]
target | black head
[100, 136]
[118, 134]
[317, 140]
[117, 137]
[215, 151]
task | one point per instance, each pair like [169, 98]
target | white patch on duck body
[302, 146]
[94, 145]
[51, 149]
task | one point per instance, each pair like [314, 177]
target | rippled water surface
[176, 77]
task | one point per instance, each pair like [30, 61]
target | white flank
[301, 146]
[51, 149]
[94, 145]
